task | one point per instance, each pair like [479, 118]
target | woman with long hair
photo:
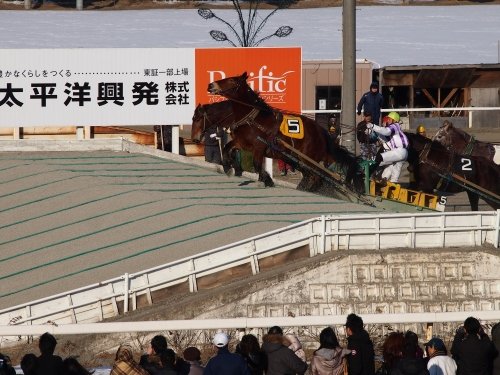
[392, 351]
[255, 358]
[328, 358]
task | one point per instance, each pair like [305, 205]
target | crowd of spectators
[472, 352]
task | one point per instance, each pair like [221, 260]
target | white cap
[220, 340]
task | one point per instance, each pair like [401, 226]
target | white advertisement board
[85, 87]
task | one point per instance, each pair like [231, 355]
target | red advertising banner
[275, 73]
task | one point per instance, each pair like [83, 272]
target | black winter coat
[474, 355]
[410, 366]
[280, 359]
[371, 102]
[361, 361]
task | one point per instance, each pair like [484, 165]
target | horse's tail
[349, 163]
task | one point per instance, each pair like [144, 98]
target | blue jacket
[371, 102]
[226, 363]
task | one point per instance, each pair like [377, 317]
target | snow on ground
[387, 35]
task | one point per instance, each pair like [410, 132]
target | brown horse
[255, 120]
[434, 165]
[215, 117]
[464, 143]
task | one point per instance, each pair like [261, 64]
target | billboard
[276, 73]
[134, 86]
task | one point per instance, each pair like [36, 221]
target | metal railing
[243, 323]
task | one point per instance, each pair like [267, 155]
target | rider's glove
[213, 135]
[369, 125]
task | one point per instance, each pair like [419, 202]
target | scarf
[125, 364]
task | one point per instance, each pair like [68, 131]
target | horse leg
[258, 161]
[473, 200]
[236, 161]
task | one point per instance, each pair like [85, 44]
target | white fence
[98, 301]
[243, 323]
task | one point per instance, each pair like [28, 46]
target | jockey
[421, 131]
[395, 145]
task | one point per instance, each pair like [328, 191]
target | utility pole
[79, 4]
[27, 4]
[348, 116]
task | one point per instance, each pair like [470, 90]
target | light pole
[348, 115]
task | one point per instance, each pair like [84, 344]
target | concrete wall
[382, 282]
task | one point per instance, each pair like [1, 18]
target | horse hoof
[230, 173]
[261, 184]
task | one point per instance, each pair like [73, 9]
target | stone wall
[406, 281]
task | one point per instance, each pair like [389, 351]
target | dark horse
[216, 117]
[254, 120]
[433, 164]
[466, 144]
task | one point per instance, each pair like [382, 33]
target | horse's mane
[340, 154]
[462, 133]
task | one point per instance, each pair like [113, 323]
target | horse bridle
[206, 120]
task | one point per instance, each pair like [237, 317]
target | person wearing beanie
[439, 362]
[372, 102]
[280, 359]
[225, 362]
[192, 356]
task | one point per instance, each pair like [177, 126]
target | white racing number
[466, 164]
[293, 126]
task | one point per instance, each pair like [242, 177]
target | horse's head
[198, 123]
[443, 135]
[229, 87]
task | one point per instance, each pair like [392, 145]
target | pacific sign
[155, 86]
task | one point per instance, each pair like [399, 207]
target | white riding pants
[394, 160]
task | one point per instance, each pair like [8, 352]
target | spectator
[472, 349]
[296, 346]
[372, 102]
[439, 362]
[213, 145]
[48, 363]
[328, 358]
[495, 337]
[192, 356]
[6, 365]
[125, 364]
[413, 338]
[361, 361]
[71, 366]
[28, 364]
[280, 359]
[250, 350]
[409, 364]
[224, 362]
[151, 361]
[167, 363]
[392, 350]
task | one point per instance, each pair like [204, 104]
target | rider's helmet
[394, 116]
[421, 130]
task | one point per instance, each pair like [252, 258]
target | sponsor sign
[276, 73]
[132, 86]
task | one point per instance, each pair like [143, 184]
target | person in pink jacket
[328, 358]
